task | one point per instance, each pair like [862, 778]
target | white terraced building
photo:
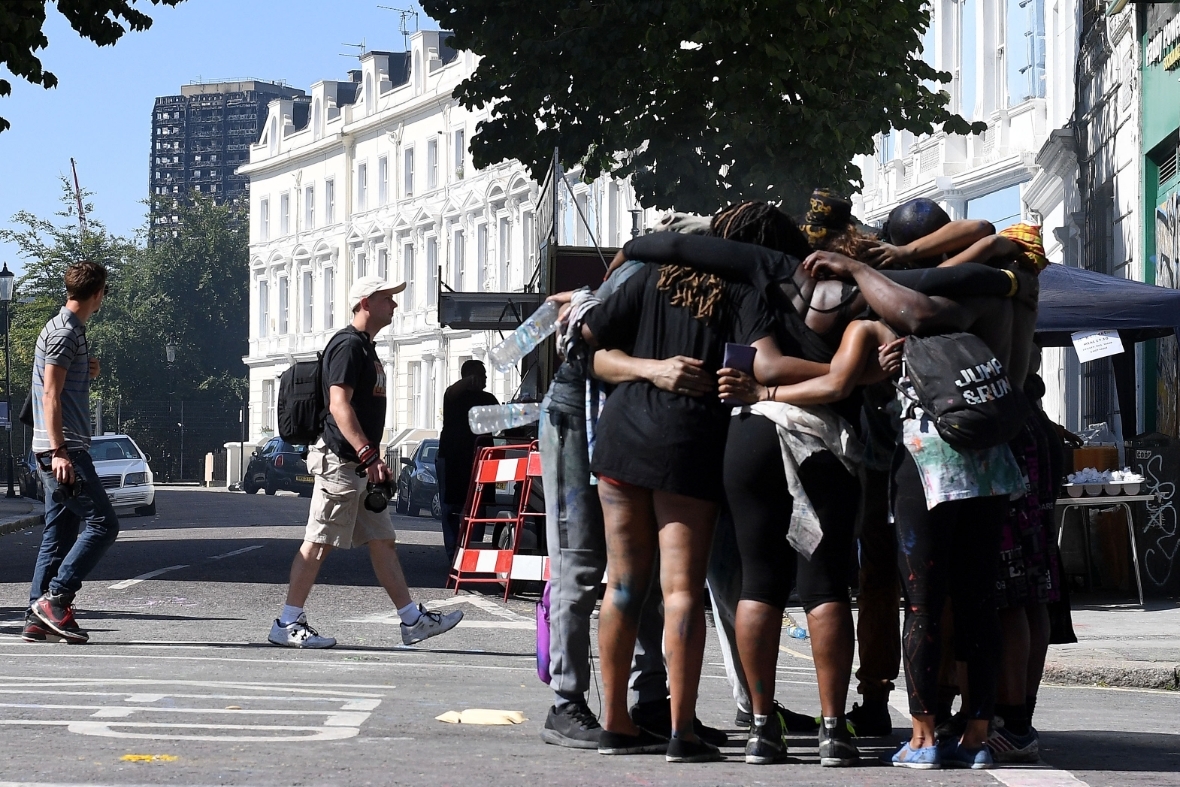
[373, 176]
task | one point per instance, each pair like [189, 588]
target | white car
[123, 470]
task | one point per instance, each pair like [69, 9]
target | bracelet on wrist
[367, 456]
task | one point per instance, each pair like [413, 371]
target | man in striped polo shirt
[80, 524]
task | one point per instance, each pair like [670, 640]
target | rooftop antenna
[360, 46]
[404, 22]
[78, 197]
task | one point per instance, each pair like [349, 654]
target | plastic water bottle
[793, 629]
[493, 418]
[539, 326]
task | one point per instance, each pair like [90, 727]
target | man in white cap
[345, 459]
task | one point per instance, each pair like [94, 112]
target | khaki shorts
[338, 516]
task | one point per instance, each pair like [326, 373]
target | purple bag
[543, 637]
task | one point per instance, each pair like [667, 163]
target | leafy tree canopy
[189, 288]
[703, 102]
[21, 33]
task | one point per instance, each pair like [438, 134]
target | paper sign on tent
[1092, 345]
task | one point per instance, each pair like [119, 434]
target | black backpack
[302, 410]
[963, 388]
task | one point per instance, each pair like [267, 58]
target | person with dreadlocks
[658, 459]
[811, 319]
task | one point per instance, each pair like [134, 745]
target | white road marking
[236, 552]
[479, 602]
[64, 653]
[1036, 776]
[337, 723]
[126, 583]
[523, 625]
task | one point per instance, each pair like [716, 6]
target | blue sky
[100, 112]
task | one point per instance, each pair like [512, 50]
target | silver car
[125, 475]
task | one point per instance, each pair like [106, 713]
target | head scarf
[1032, 248]
[829, 213]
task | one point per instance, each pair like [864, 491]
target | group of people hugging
[733, 413]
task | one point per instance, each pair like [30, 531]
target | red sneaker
[58, 615]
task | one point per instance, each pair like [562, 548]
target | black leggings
[951, 550]
[756, 487]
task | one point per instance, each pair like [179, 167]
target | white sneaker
[299, 635]
[431, 624]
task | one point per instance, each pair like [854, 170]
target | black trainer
[871, 720]
[572, 725]
[952, 729]
[681, 750]
[643, 743]
[836, 749]
[656, 717]
[766, 744]
[792, 722]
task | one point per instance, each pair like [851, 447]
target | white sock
[289, 615]
[760, 720]
[409, 614]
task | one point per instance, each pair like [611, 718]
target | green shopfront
[1161, 143]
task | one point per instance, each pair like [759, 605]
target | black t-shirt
[351, 359]
[654, 438]
[456, 443]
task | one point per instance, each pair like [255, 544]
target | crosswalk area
[180, 710]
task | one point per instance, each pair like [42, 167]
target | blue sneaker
[955, 755]
[927, 758]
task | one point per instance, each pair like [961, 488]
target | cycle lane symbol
[223, 711]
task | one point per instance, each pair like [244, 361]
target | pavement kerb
[21, 523]
[1122, 674]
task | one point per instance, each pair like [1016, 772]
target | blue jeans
[67, 555]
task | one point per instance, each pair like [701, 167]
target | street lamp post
[6, 283]
[170, 354]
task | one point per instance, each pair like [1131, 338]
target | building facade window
[329, 298]
[432, 164]
[309, 207]
[362, 185]
[285, 214]
[431, 272]
[264, 219]
[458, 261]
[528, 242]
[417, 400]
[263, 308]
[481, 257]
[382, 180]
[460, 153]
[1025, 50]
[305, 293]
[408, 272]
[284, 304]
[268, 405]
[382, 263]
[360, 264]
[329, 201]
[408, 172]
[504, 246]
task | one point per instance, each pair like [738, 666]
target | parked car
[124, 472]
[417, 484]
[28, 479]
[278, 465]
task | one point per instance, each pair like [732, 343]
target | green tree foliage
[704, 102]
[21, 32]
[189, 288]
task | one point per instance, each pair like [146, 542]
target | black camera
[66, 492]
[377, 496]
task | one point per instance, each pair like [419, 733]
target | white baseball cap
[370, 285]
